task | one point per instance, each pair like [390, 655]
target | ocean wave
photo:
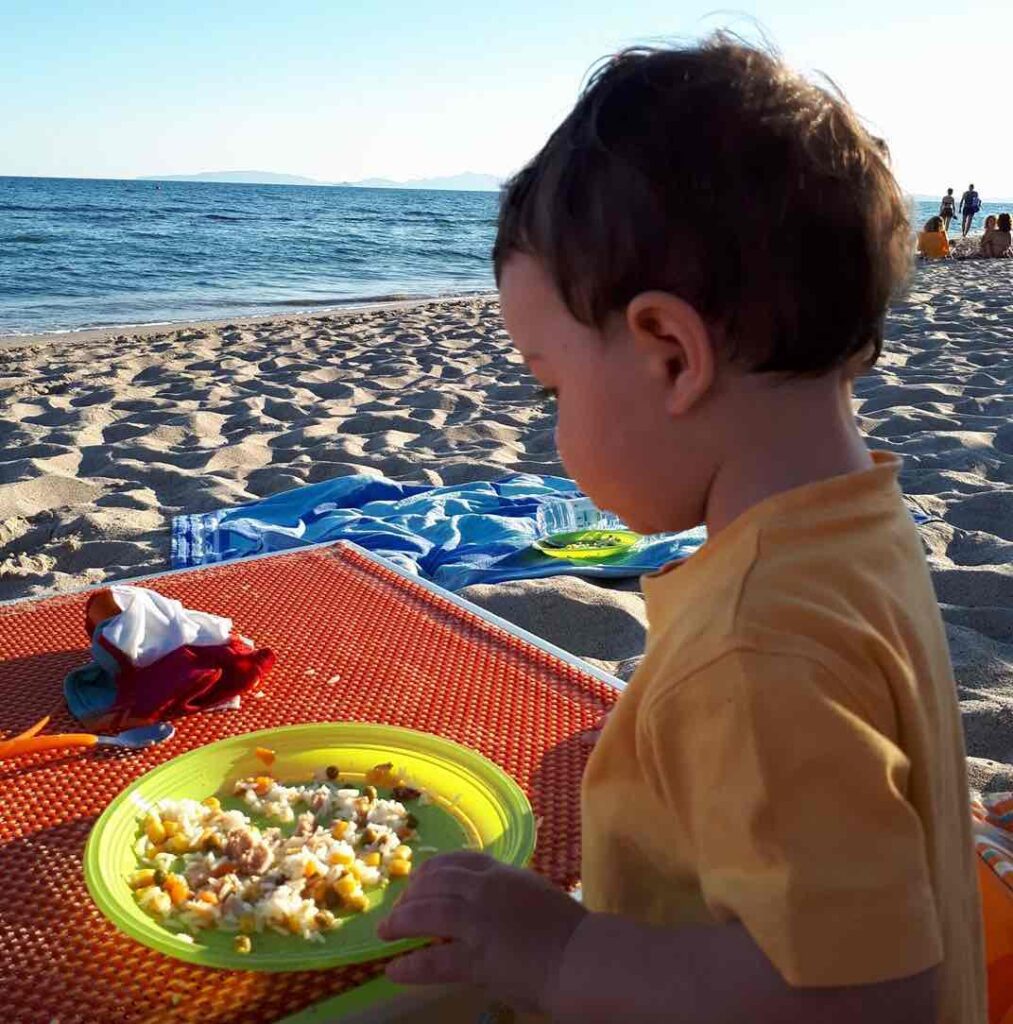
[368, 300]
[222, 216]
[29, 237]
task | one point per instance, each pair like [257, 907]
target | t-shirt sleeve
[798, 818]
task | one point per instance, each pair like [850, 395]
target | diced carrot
[177, 888]
[381, 774]
[266, 755]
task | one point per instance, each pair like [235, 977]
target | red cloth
[188, 679]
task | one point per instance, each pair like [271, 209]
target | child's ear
[677, 346]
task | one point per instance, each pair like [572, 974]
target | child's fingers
[440, 917]
[440, 964]
[448, 882]
[470, 860]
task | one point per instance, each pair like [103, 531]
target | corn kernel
[340, 828]
[357, 902]
[372, 860]
[341, 857]
[403, 853]
[153, 829]
[400, 868]
[214, 803]
[178, 844]
[172, 828]
[346, 885]
[310, 869]
[142, 879]
[242, 944]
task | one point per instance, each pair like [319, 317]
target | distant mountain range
[467, 182]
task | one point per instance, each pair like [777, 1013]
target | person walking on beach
[970, 204]
[775, 818]
[946, 209]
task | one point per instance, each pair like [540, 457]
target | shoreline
[87, 335]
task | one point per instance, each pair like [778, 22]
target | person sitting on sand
[932, 241]
[775, 822]
[947, 209]
[996, 243]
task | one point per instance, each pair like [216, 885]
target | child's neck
[783, 436]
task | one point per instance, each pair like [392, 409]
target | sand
[105, 436]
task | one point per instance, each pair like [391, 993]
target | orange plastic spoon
[133, 739]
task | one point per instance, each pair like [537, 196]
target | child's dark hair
[717, 174]
[934, 224]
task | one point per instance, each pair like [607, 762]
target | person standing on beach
[970, 204]
[775, 818]
[946, 209]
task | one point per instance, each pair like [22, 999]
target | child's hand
[507, 928]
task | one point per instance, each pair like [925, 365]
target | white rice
[243, 877]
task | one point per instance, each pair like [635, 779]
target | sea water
[80, 253]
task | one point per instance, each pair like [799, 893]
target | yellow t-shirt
[790, 755]
[933, 244]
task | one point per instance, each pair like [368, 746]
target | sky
[349, 89]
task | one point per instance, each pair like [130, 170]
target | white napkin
[150, 625]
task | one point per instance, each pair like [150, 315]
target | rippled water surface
[82, 253]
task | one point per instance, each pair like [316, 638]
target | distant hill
[237, 178]
[467, 182]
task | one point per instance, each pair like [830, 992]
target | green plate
[588, 545]
[474, 805]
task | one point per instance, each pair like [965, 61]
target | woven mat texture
[355, 642]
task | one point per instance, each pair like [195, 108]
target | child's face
[612, 431]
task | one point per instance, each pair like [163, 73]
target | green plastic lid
[588, 545]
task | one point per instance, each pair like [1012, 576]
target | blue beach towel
[469, 533]
[478, 532]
